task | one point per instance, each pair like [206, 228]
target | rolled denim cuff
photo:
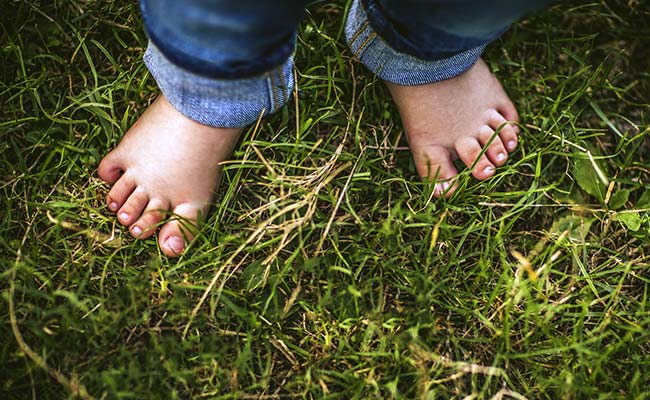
[394, 66]
[222, 103]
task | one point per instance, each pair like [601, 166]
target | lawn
[326, 269]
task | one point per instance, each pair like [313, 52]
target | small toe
[509, 111]
[109, 169]
[495, 152]
[155, 212]
[120, 192]
[133, 206]
[469, 151]
[508, 132]
[180, 229]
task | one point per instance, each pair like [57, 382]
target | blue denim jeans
[225, 63]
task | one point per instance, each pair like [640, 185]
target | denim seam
[362, 47]
[282, 88]
[358, 32]
[273, 97]
[279, 89]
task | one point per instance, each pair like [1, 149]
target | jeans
[225, 63]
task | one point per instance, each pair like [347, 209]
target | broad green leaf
[577, 226]
[644, 200]
[618, 199]
[252, 276]
[631, 220]
[588, 179]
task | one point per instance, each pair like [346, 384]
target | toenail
[512, 144]
[441, 187]
[113, 206]
[175, 244]
[501, 157]
[488, 170]
[136, 231]
[124, 216]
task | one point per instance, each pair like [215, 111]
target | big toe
[180, 229]
[434, 163]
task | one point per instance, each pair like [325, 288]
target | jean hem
[221, 103]
[397, 67]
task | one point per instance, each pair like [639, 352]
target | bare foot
[457, 118]
[166, 165]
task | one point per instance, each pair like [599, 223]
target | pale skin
[168, 166]
[457, 118]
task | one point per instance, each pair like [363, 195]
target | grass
[326, 269]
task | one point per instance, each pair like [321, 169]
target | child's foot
[166, 165]
[457, 118]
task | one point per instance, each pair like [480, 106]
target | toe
[508, 132]
[119, 193]
[180, 229]
[495, 151]
[148, 222]
[508, 110]
[133, 206]
[469, 150]
[109, 169]
[434, 163]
